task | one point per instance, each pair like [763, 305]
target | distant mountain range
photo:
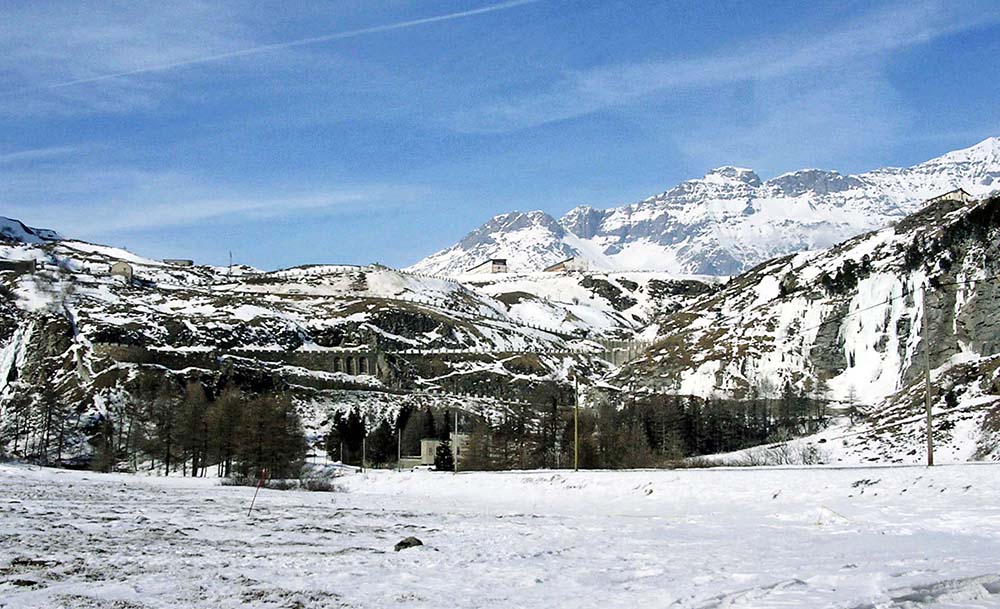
[724, 223]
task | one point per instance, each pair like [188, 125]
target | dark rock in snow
[409, 542]
[24, 583]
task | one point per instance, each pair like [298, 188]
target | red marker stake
[260, 483]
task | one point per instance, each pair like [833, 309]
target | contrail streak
[281, 45]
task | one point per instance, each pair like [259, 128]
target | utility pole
[455, 433]
[927, 383]
[399, 449]
[576, 423]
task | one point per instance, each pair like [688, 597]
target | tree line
[160, 423]
[233, 432]
[623, 432]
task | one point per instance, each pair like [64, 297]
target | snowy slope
[529, 241]
[93, 338]
[623, 305]
[725, 222]
[750, 538]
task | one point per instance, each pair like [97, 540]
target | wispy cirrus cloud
[42, 43]
[863, 41]
[91, 203]
[73, 61]
[281, 46]
[37, 154]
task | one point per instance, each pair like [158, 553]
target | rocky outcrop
[847, 324]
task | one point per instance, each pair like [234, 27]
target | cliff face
[846, 323]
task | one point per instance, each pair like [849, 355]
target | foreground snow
[816, 537]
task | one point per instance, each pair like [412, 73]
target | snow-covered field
[810, 537]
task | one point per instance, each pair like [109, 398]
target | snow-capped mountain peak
[729, 174]
[727, 221]
[529, 240]
[986, 151]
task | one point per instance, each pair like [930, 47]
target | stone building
[493, 265]
[123, 270]
[958, 194]
[459, 445]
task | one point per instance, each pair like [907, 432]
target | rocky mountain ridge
[725, 222]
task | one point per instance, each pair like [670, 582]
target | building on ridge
[493, 265]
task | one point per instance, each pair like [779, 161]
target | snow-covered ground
[811, 537]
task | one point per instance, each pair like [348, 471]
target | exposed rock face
[611, 292]
[846, 323]
[727, 221]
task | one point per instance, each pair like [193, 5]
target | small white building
[124, 270]
[428, 448]
[570, 264]
[493, 265]
[459, 445]
[958, 194]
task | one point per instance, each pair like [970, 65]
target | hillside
[825, 343]
[14, 230]
[845, 324]
[725, 222]
[335, 337]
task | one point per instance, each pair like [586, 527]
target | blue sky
[361, 131]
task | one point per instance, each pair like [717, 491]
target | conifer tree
[444, 461]
[382, 444]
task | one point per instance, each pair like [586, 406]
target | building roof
[552, 266]
[502, 261]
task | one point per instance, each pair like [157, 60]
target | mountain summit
[725, 222]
